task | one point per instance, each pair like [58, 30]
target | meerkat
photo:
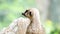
[35, 26]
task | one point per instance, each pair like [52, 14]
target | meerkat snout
[25, 13]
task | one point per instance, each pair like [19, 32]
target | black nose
[23, 14]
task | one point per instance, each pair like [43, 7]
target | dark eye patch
[30, 14]
[26, 11]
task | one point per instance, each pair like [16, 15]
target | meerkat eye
[30, 14]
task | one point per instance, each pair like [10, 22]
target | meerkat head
[33, 12]
[27, 13]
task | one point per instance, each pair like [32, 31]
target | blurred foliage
[48, 26]
[51, 29]
[55, 31]
[12, 9]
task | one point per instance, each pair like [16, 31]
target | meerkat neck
[36, 18]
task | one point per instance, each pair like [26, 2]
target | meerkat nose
[23, 14]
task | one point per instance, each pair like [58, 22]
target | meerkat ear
[30, 14]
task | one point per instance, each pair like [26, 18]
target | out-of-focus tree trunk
[43, 6]
[55, 12]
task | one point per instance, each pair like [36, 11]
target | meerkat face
[27, 13]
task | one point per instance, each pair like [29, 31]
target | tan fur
[35, 27]
[18, 26]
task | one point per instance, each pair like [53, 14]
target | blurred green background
[12, 9]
